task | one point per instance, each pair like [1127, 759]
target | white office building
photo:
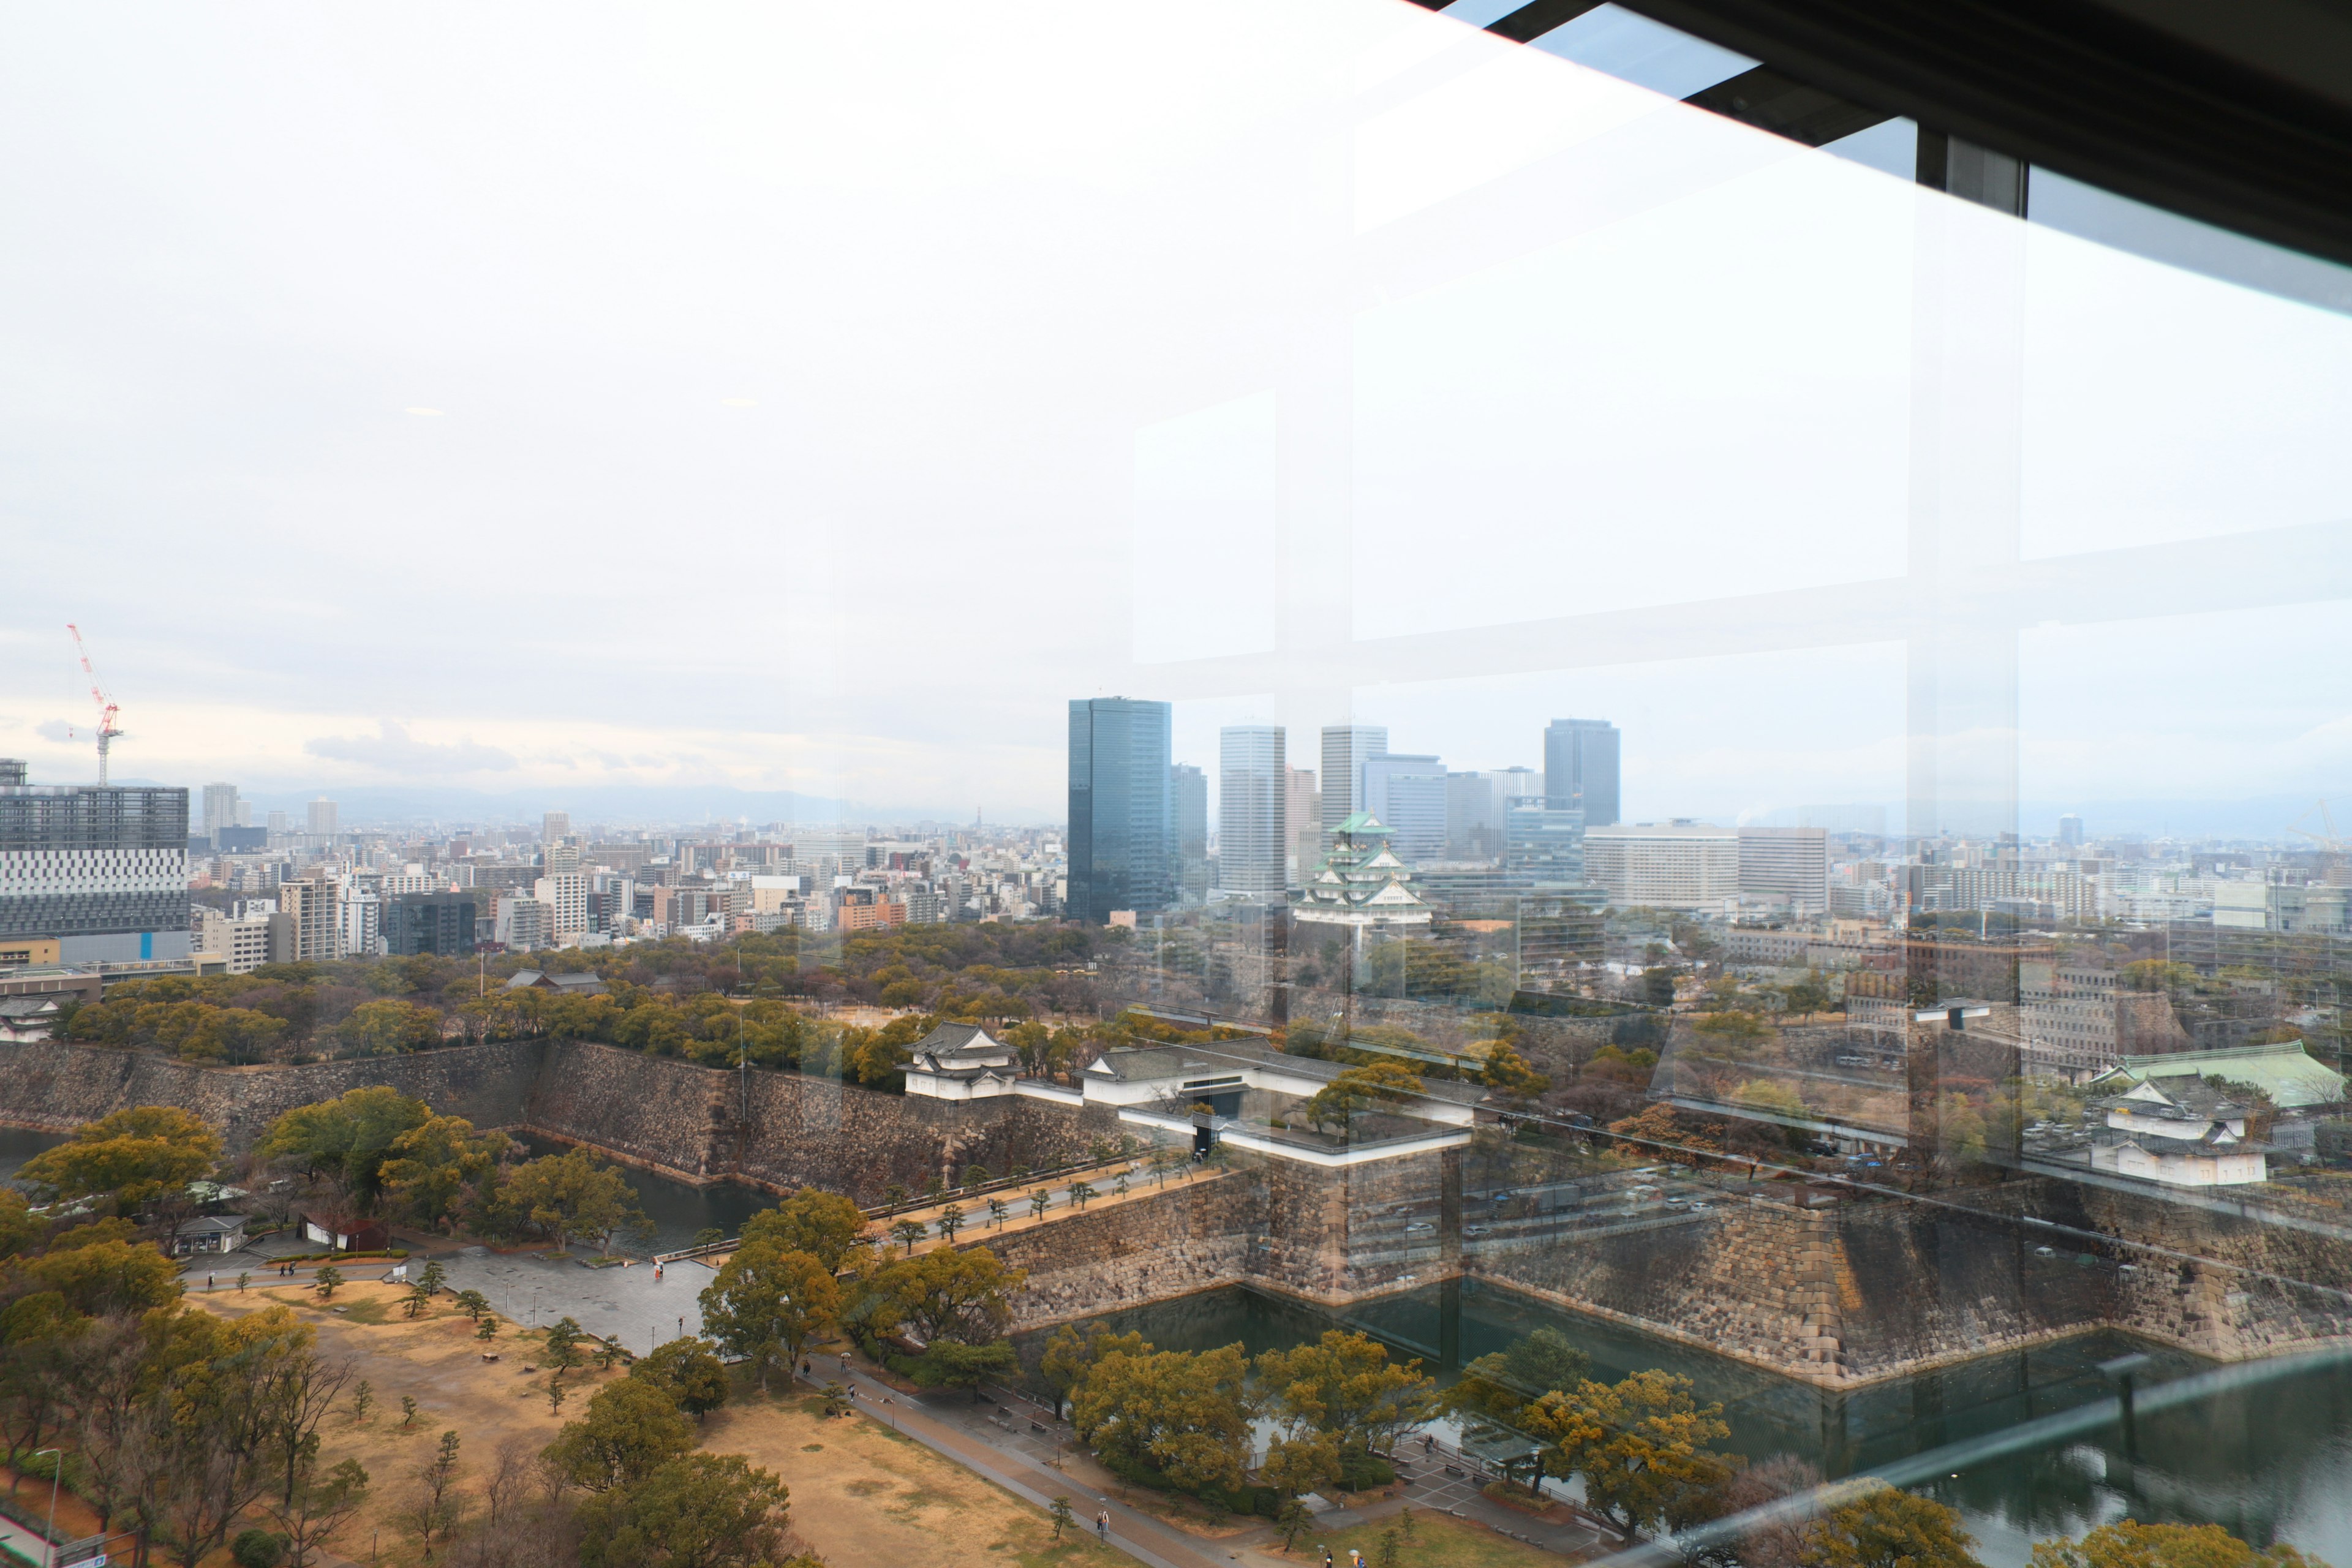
[1679, 864]
[1253, 785]
[1786, 865]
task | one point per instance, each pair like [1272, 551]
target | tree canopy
[825, 1226]
[134, 1156]
[767, 1304]
[348, 1138]
[698, 1511]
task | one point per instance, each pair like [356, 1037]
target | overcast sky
[543, 399]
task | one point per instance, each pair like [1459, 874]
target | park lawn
[864, 1496]
[1440, 1540]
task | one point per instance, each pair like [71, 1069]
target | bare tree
[108, 1414]
[435, 1507]
[302, 1386]
[317, 1504]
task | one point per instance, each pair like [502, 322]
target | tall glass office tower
[1580, 768]
[1122, 811]
[1346, 749]
[1252, 783]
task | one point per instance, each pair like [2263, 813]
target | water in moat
[18, 1145]
[679, 1210]
[2270, 1456]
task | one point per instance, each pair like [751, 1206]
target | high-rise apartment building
[322, 817]
[1346, 749]
[101, 870]
[559, 855]
[2070, 831]
[1580, 768]
[362, 914]
[1671, 865]
[220, 809]
[1303, 822]
[314, 905]
[521, 924]
[1122, 821]
[554, 824]
[1789, 864]
[1406, 791]
[278, 823]
[565, 894]
[1253, 806]
[1190, 795]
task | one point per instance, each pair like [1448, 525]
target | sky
[666, 406]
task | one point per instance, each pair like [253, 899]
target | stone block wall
[1194, 1236]
[56, 1087]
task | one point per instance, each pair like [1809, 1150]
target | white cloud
[391, 751]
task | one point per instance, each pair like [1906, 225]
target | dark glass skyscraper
[1122, 815]
[1580, 768]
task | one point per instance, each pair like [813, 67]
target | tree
[433, 1168]
[767, 1304]
[474, 1304]
[105, 1276]
[1359, 1089]
[1073, 1352]
[910, 1231]
[1496, 1385]
[134, 1156]
[433, 1509]
[1643, 1447]
[632, 1428]
[1807, 993]
[574, 1194]
[950, 1364]
[1344, 1387]
[996, 1211]
[1293, 1523]
[1892, 1529]
[1507, 1074]
[696, 1378]
[1039, 1202]
[950, 1295]
[700, 1510]
[563, 1346]
[1079, 1193]
[825, 1226]
[974, 1176]
[2126, 1543]
[349, 1138]
[1183, 1414]
[1061, 1516]
[389, 1029]
[950, 1220]
[328, 1281]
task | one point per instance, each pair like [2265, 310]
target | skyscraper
[1252, 783]
[220, 808]
[1407, 792]
[1580, 768]
[1122, 821]
[2070, 830]
[322, 817]
[1543, 843]
[1303, 821]
[102, 870]
[1346, 749]
[1192, 807]
[554, 824]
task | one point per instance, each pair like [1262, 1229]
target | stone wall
[55, 1087]
[1194, 1236]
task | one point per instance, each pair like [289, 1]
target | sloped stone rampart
[55, 1087]
[1192, 1237]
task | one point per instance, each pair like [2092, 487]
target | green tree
[825, 1226]
[996, 1211]
[1892, 1529]
[433, 1168]
[1644, 1448]
[1496, 1385]
[950, 1295]
[105, 1276]
[631, 1428]
[1293, 1523]
[907, 1232]
[327, 1280]
[1507, 1074]
[700, 1511]
[1079, 1193]
[950, 1220]
[767, 1304]
[1807, 993]
[1039, 1202]
[950, 1364]
[134, 1156]
[434, 1508]
[1183, 1414]
[1357, 1090]
[574, 1194]
[561, 1348]
[474, 1304]
[1061, 1516]
[2127, 1543]
[350, 1137]
[1073, 1352]
[694, 1377]
[1343, 1386]
[389, 1029]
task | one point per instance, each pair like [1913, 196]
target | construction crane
[106, 707]
[2329, 843]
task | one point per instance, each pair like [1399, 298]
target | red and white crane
[107, 730]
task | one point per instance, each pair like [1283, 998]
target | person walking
[1102, 1526]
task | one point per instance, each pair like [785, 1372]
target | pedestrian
[804, 1371]
[656, 1273]
[1326, 1557]
[208, 1281]
[1102, 1526]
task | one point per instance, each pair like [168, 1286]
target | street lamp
[57, 1474]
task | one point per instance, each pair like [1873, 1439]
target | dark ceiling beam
[1774, 100]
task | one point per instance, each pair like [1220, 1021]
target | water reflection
[17, 1145]
[677, 1209]
[2270, 1458]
